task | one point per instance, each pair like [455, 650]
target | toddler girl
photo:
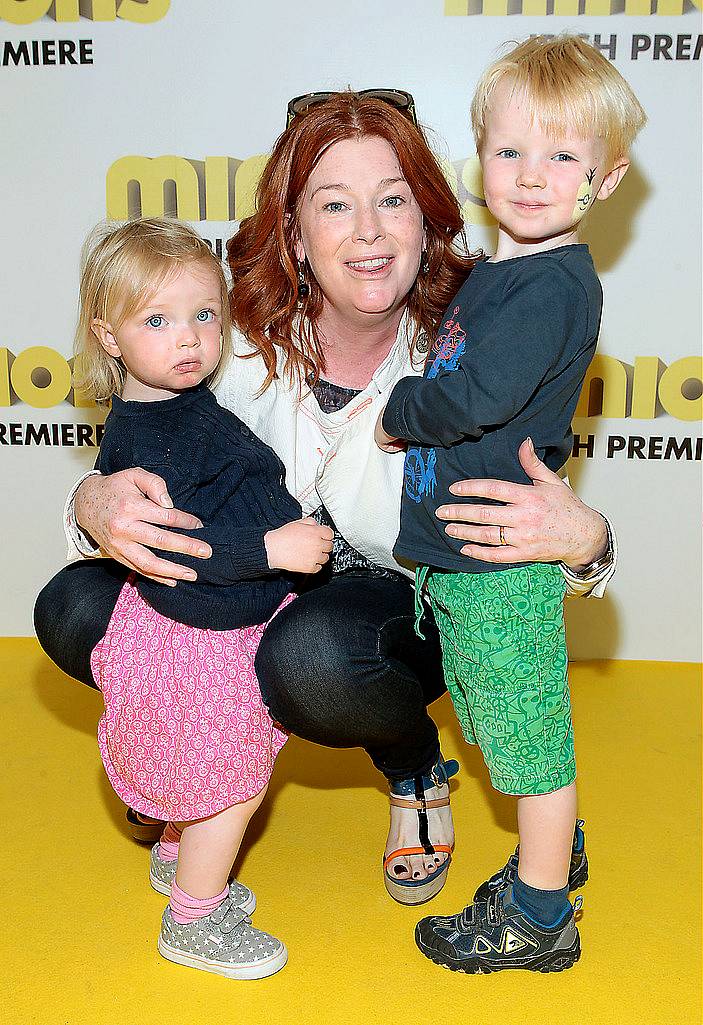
[185, 736]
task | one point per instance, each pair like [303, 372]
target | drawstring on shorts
[421, 574]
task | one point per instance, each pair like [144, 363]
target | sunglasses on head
[396, 98]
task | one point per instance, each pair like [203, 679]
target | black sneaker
[578, 870]
[495, 935]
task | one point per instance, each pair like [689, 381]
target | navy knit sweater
[509, 363]
[216, 469]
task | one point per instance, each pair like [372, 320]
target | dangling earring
[303, 287]
[424, 262]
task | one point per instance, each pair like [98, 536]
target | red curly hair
[264, 298]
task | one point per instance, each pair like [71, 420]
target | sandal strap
[418, 786]
[402, 852]
[439, 774]
[400, 802]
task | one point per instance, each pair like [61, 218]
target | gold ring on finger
[502, 536]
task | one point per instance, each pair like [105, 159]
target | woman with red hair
[339, 282]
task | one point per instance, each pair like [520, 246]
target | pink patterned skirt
[185, 733]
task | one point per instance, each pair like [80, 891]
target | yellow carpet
[79, 943]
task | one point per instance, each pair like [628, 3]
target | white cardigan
[330, 458]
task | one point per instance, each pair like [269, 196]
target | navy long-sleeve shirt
[218, 470]
[509, 361]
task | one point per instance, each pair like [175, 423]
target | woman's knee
[296, 650]
[72, 611]
[316, 637]
[52, 610]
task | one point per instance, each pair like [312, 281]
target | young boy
[553, 122]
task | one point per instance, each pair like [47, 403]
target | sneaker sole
[553, 961]
[260, 970]
[160, 886]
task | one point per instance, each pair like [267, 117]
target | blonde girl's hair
[122, 268]
[569, 87]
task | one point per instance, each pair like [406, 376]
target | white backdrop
[85, 85]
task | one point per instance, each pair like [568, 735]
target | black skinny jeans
[341, 666]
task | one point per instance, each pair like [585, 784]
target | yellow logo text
[224, 189]
[24, 12]
[39, 377]
[213, 189]
[616, 390]
[570, 8]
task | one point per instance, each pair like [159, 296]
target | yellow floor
[79, 943]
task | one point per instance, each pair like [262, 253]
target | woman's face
[360, 228]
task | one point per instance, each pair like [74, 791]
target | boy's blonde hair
[569, 87]
[121, 269]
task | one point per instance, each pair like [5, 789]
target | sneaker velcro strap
[228, 916]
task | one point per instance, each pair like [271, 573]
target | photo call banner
[115, 108]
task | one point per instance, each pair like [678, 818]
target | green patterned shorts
[505, 665]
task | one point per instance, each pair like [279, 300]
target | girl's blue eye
[335, 206]
[510, 153]
[393, 202]
[563, 157]
[205, 316]
[156, 321]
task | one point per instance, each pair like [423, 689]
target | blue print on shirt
[420, 476]
[449, 347]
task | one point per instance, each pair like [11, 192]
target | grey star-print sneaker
[224, 942]
[162, 873]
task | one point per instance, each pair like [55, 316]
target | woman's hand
[384, 441]
[542, 522]
[302, 546]
[125, 511]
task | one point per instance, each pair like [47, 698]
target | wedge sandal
[410, 794]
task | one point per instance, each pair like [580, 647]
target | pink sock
[168, 844]
[186, 909]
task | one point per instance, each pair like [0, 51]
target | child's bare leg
[546, 825]
[209, 846]
[202, 927]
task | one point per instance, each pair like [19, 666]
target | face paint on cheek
[584, 196]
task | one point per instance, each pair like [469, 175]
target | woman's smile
[360, 230]
[372, 266]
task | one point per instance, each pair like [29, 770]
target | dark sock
[578, 837]
[545, 907]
